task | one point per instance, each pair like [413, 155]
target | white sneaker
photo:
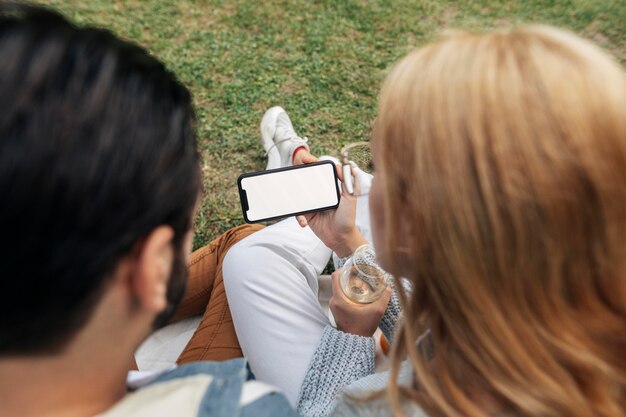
[279, 138]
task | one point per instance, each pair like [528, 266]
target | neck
[85, 379]
[63, 385]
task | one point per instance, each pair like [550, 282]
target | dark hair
[97, 148]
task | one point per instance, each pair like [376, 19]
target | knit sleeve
[339, 359]
[388, 322]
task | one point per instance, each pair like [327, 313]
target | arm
[347, 353]
[344, 354]
[340, 359]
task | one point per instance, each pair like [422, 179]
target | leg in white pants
[271, 285]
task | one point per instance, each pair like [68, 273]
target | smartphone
[284, 192]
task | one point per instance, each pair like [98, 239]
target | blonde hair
[506, 152]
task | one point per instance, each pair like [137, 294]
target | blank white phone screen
[283, 193]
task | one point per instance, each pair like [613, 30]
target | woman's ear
[153, 268]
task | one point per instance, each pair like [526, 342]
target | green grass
[321, 60]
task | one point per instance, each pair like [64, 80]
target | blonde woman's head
[501, 194]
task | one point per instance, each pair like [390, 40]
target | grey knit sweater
[341, 363]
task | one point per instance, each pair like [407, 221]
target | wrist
[358, 331]
[350, 243]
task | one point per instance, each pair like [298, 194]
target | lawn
[321, 60]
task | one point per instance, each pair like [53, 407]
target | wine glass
[361, 280]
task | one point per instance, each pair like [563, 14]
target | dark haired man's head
[97, 150]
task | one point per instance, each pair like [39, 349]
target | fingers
[381, 304]
[302, 221]
[309, 159]
[303, 156]
[338, 169]
[356, 183]
[386, 296]
[339, 295]
[348, 178]
[345, 191]
[335, 279]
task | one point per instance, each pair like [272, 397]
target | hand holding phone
[337, 228]
[283, 192]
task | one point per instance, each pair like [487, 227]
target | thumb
[309, 159]
[386, 296]
[302, 221]
[337, 290]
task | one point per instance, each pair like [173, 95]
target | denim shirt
[222, 397]
[212, 388]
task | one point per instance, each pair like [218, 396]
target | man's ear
[153, 268]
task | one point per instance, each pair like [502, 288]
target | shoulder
[180, 397]
[204, 389]
[377, 406]
[367, 396]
